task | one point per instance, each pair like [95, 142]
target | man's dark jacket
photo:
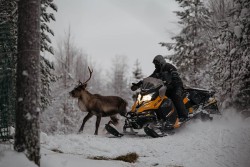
[167, 72]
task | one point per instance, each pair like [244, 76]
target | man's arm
[154, 74]
[174, 73]
[170, 67]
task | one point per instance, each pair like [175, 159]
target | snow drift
[223, 142]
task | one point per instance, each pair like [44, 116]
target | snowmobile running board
[151, 132]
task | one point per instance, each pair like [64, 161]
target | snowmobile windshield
[150, 85]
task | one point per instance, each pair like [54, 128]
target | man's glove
[134, 87]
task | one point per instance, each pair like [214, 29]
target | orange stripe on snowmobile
[185, 100]
[171, 112]
[134, 106]
[150, 105]
[190, 110]
[177, 125]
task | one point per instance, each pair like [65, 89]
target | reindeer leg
[114, 120]
[98, 120]
[86, 118]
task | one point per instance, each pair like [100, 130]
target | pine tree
[9, 16]
[231, 65]
[8, 49]
[47, 68]
[219, 45]
[45, 19]
[137, 76]
[223, 51]
[137, 73]
[47, 77]
[191, 53]
[241, 55]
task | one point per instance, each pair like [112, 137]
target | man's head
[159, 61]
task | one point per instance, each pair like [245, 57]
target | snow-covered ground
[223, 142]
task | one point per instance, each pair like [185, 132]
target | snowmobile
[156, 113]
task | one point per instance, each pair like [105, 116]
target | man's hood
[160, 59]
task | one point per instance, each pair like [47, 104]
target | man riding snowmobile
[163, 105]
[169, 75]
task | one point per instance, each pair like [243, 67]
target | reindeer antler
[90, 75]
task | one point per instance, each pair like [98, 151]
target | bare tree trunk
[27, 136]
[195, 40]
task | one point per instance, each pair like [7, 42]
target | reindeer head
[77, 91]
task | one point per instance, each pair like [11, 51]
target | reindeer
[98, 105]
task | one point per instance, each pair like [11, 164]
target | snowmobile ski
[150, 132]
[116, 133]
[113, 131]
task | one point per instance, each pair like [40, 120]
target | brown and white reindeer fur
[98, 105]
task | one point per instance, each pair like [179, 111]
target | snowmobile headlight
[145, 98]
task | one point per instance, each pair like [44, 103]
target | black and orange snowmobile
[156, 113]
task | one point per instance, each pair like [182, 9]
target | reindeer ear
[79, 82]
[84, 86]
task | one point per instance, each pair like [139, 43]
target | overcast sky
[105, 28]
